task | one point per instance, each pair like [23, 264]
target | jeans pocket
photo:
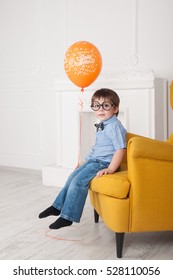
[104, 165]
[101, 165]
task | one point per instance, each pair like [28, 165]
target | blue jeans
[71, 199]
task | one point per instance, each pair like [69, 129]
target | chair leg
[119, 243]
[96, 216]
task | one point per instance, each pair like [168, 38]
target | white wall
[34, 36]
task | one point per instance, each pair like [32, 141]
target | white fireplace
[143, 110]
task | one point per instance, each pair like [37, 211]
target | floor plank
[25, 237]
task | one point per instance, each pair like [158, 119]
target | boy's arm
[114, 164]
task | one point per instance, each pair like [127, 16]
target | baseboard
[20, 169]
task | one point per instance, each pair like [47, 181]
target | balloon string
[62, 238]
[80, 127]
[59, 238]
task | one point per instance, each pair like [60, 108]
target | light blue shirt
[108, 140]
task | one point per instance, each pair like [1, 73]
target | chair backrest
[170, 139]
[124, 162]
[128, 137]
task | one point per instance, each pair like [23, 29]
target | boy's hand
[104, 172]
[114, 164]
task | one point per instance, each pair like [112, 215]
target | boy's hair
[107, 94]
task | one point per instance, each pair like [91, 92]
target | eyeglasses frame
[102, 105]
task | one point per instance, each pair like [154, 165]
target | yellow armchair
[140, 197]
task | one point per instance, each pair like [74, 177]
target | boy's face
[103, 114]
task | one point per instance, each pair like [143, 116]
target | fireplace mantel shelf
[118, 80]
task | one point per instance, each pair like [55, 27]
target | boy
[104, 158]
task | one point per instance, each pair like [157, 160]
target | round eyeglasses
[106, 105]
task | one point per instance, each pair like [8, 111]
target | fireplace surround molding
[143, 110]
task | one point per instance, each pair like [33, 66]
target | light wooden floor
[25, 237]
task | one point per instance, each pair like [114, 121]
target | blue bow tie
[99, 126]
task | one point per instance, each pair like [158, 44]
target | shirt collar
[110, 120]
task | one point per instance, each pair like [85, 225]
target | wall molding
[36, 67]
[11, 130]
[28, 90]
[132, 58]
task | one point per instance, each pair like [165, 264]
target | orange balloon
[83, 63]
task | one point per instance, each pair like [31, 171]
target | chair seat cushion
[115, 185]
